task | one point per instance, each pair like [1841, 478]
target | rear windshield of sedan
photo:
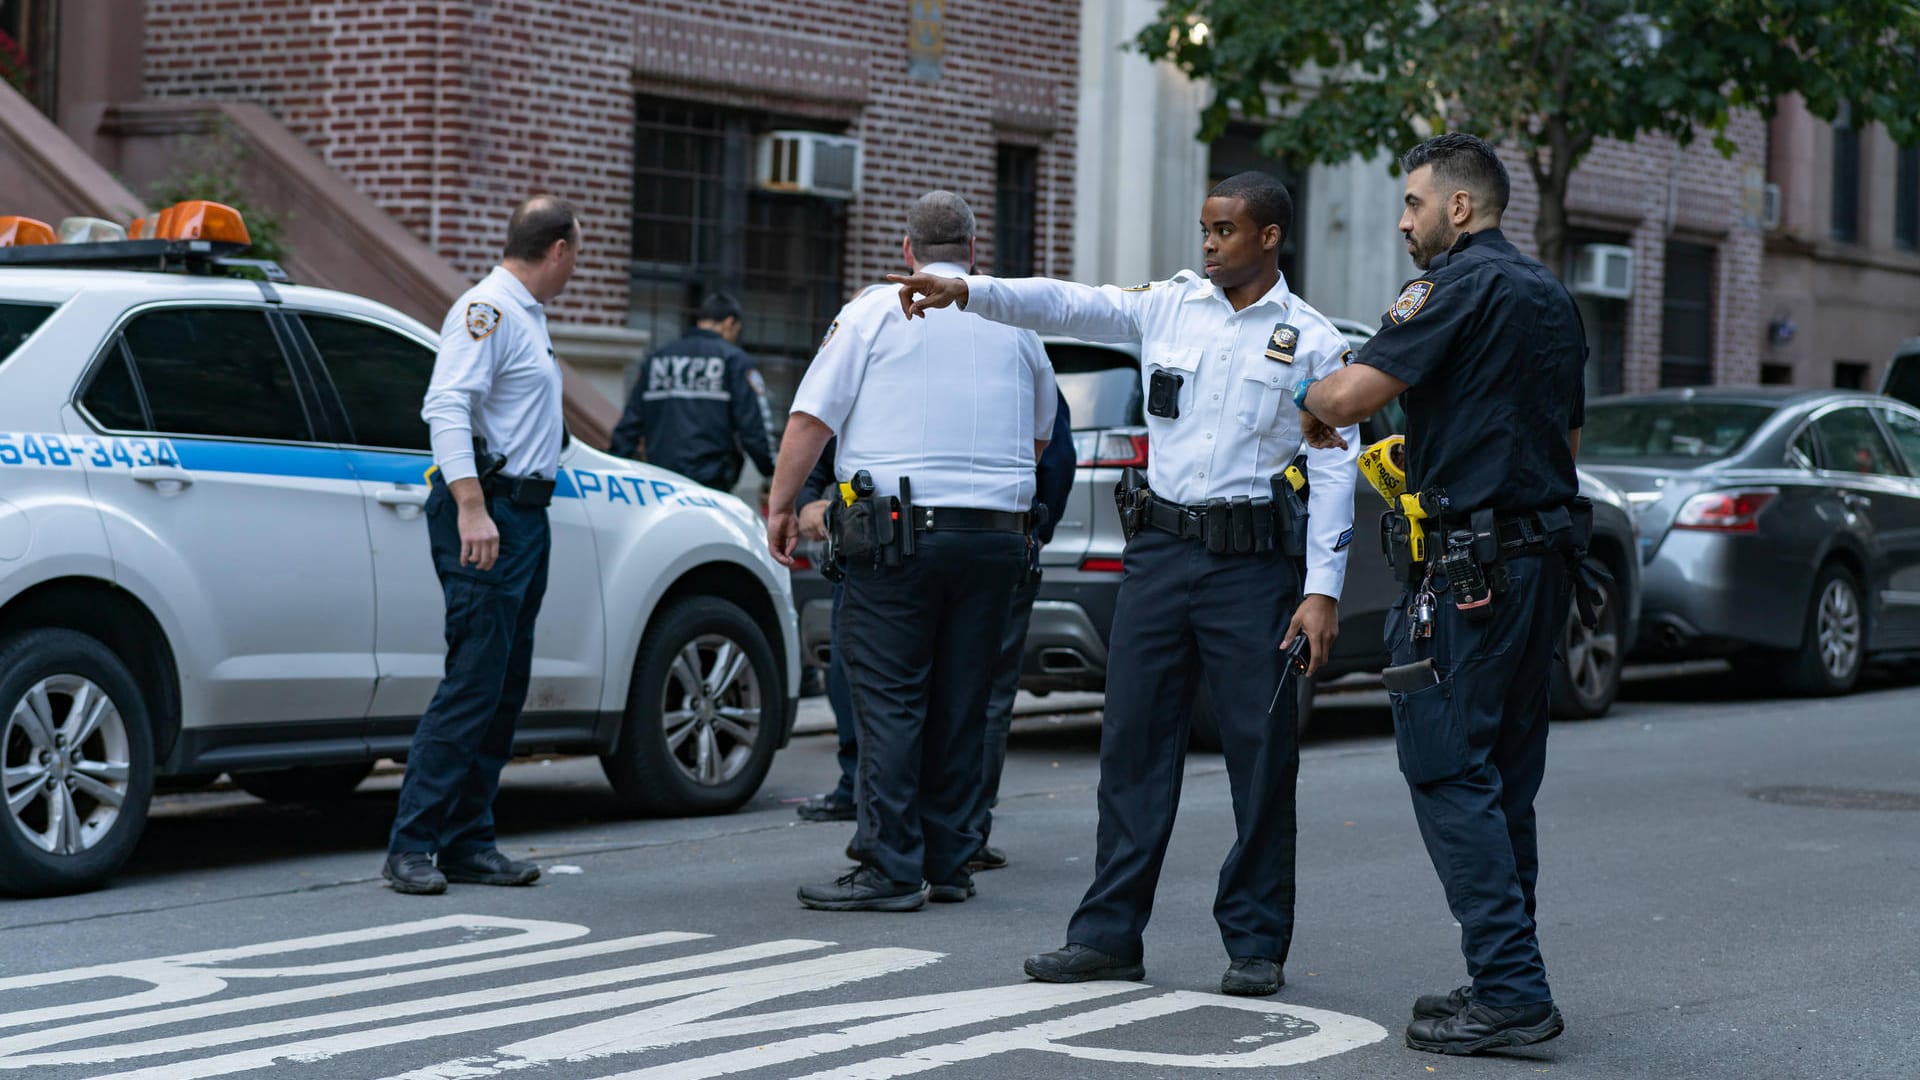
[17, 323]
[1669, 431]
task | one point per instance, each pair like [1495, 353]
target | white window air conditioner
[808, 163]
[1603, 270]
[1770, 207]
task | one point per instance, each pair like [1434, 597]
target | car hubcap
[1591, 654]
[1839, 630]
[64, 765]
[710, 709]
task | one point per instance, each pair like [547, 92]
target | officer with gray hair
[939, 422]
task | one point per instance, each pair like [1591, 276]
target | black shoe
[825, 808]
[1441, 1006]
[987, 858]
[866, 889]
[1483, 1027]
[412, 872]
[489, 867]
[953, 890]
[1082, 963]
[1252, 976]
[854, 854]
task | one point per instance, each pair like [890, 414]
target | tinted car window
[216, 371]
[17, 323]
[381, 378]
[111, 396]
[1690, 431]
[1906, 435]
[1803, 452]
[1851, 442]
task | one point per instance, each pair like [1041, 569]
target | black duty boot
[987, 858]
[1252, 976]
[953, 890]
[1081, 963]
[488, 867]
[865, 889]
[825, 808]
[1441, 1006]
[1483, 1027]
[413, 872]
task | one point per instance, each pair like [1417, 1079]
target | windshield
[17, 323]
[1669, 431]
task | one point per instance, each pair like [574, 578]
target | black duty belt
[1185, 522]
[530, 491]
[1214, 524]
[1521, 534]
[963, 519]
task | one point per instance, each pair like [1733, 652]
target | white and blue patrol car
[213, 559]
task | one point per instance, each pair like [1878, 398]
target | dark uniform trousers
[1179, 604]
[1474, 748]
[918, 638]
[840, 696]
[466, 735]
[1006, 684]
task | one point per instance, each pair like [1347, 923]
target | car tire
[99, 748]
[1205, 730]
[687, 746]
[304, 784]
[1833, 639]
[1587, 677]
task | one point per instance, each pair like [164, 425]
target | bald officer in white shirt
[495, 379]
[1220, 356]
[960, 407]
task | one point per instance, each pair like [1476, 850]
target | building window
[700, 225]
[1686, 320]
[1849, 375]
[1015, 192]
[29, 42]
[1238, 151]
[1846, 179]
[1906, 199]
[1776, 374]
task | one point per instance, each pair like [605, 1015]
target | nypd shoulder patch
[1410, 301]
[1138, 288]
[829, 335]
[482, 319]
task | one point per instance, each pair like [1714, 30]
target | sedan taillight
[1115, 448]
[1725, 511]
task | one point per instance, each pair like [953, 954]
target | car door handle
[162, 474]
[1855, 500]
[401, 496]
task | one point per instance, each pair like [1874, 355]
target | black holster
[1396, 540]
[1130, 498]
[1289, 508]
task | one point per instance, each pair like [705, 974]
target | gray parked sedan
[1779, 527]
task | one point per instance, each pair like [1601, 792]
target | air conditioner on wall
[808, 163]
[1602, 270]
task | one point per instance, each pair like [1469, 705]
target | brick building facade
[1695, 314]
[646, 112]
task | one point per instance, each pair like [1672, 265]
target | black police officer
[1486, 350]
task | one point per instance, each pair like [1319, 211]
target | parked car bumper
[1704, 593]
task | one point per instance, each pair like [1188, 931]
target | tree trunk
[1550, 178]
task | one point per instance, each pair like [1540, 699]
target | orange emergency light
[198, 219]
[25, 231]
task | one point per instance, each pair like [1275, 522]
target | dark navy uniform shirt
[1491, 349]
[699, 402]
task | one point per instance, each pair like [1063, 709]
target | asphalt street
[1731, 888]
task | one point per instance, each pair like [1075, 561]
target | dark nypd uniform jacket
[699, 404]
[1491, 349]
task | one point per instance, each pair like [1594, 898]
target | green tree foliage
[209, 167]
[1336, 78]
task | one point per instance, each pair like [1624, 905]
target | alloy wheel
[710, 709]
[1838, 629]
[1591, 654]
[64, 764]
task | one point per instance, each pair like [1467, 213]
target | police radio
[1465, 580]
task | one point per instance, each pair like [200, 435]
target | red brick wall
[1654, 191]
[447, 114]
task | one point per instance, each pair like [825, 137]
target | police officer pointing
[1223, 567]
[1485, 350]
[493, 410]
[939, 422]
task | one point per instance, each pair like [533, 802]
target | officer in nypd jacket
[1224, 351]
[700, 403]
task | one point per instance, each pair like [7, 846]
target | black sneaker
[865, 889]
[412, 872]
[1483, 1027]
[1441, 1006]
[1081, 963]
[987, 858]
[488, 867]
[1252, 976]
[954, 890]
[825, 808]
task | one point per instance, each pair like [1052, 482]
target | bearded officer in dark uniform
[1485, 349]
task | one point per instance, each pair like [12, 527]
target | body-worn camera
[1163, 394]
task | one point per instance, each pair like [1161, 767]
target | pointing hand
[922, 292]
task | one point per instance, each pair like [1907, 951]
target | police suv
[213, 559]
